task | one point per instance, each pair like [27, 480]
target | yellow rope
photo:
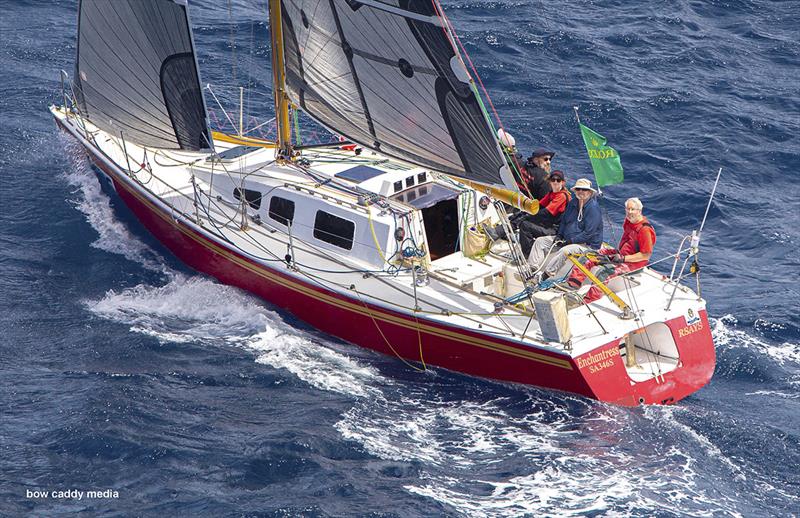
[419, 339]
[374, 237]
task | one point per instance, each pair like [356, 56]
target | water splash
[89, 198]
[195, 309]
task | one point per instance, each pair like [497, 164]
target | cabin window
[421, 177]
[398, 186]
[281, 210]
[410, 182]
[253, 197]
[334, 230]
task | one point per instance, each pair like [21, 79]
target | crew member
[546, 221]
[634, 251]
[538, 169]
[580, 230]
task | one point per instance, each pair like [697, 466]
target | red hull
[418, 340]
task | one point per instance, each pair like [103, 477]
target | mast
[279, 80]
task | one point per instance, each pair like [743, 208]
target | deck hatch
[359, 173]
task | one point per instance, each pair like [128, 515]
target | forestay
[385, 75]
[136, 72]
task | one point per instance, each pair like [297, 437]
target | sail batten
[136, 72]
[386, 76]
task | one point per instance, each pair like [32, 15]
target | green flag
[605, 159]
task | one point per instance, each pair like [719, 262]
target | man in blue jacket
[581, 230]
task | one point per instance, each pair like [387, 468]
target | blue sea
[125, 373]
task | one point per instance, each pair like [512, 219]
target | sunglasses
[582, 190]
[545, 158]
[559, 180]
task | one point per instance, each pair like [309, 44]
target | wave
[195, 309]
[478, 459]
[89, 198]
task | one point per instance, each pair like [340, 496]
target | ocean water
[124, 372]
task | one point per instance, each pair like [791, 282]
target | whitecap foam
[113, 236]
[317, 365]
[726, 335]
[667, 414]
[198, 309]
[776, 393]
[564, 464]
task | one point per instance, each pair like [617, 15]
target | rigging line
[419, 340]
[611, 225]
[260, 125]
[374, 237]
[251, 64]
[637, 312]
[371, 316]
[232, 41]
[208, 87]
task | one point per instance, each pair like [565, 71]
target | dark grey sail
[385, 75]
[136, 72]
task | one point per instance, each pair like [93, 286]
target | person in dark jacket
[537, 170]
[580, 230]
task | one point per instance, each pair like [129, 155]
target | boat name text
[599, 361]
[691, 328]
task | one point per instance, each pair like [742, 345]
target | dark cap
[557, 175]
[543, 152]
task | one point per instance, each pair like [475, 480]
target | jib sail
[136, 72]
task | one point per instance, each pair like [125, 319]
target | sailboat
[372, 242]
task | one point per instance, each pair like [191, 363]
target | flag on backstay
[605, 160]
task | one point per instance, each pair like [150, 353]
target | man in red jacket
[634, 251]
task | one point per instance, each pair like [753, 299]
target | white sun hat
[583, 183]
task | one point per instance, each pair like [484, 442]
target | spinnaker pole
[279, 80]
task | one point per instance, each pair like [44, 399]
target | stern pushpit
[649, 352]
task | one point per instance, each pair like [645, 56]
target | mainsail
[136, 72]
[386, 75]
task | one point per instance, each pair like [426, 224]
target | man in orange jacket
[634, 251]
